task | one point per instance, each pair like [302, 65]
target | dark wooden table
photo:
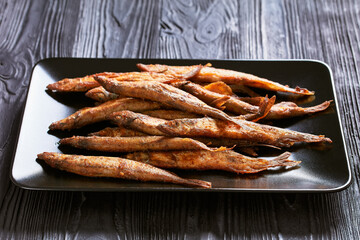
[276, 29]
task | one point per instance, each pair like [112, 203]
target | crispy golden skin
[114, 167]
[83, 84]
[246, 130]
[118, 132]
[169, 114]
[99, 113]
[205, 160]
[101, 95]
[133, 144]
[210, 74]
[162, 93]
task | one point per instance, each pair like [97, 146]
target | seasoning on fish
[162, 93]
[206, 160]
[138, 122]
[260, 133]
[99, 113]
[169, 114]
[114, 167]
[133, 144]
[210, 74]
[118, 132]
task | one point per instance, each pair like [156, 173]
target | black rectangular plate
[321, 170]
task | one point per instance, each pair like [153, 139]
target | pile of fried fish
[178, 117]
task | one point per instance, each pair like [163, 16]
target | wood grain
[322, 30]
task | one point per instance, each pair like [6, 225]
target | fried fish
[206, 160]
[83, 84]
[241, 145]
[210, 74]
[99, 113]
[133, 144]
[289, 110]
[214, 128]
[254, 132]
[114, 167]
[163, 93]
[237, 106]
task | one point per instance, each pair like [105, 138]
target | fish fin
[283, 160]
[192, 73]
[198, 183]
[146, 68]
[219, 87]
[264, 109]
[218, 103]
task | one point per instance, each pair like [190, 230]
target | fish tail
[198, 183]
[283, 160]
[318, 108]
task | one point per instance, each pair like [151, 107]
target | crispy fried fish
[99, 94]
[212, 142]
[114, 167]
[134, 144]
[259, 133]
[83, 84]
[210, 74]
[206, 160]
[99, 113]
[236, 105]
[214, 128]
[162, 93]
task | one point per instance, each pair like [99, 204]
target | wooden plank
[29, 32]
